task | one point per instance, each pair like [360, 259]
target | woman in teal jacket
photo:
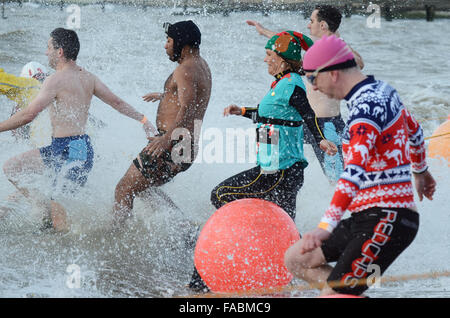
[280, 116]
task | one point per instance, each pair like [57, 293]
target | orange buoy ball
[439, 144]
[242, 246]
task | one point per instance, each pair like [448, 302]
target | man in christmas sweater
[382, 144]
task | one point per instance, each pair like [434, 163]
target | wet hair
[295, 66]
[68, 41]
[331, 15]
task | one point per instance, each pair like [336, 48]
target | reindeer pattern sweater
[382, 142]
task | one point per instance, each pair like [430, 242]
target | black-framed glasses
[312, 78]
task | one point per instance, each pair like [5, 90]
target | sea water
[123, 46]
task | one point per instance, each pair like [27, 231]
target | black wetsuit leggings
[280, 187]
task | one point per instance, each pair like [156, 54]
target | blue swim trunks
[72, 157]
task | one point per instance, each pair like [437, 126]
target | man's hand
[329, 147]
[313, 239]
[232, 110]
[425, 185]
[149, 129]
[158, 145]
[152, 97]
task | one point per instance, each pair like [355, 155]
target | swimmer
[22, 89]
[68, 94]
[381, 145]
[182, 103]
[324, 20]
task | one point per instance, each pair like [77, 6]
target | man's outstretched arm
[260, 29]
[108, 97]
[45, 96]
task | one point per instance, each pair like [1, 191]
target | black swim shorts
[365, 245]
[159, 170]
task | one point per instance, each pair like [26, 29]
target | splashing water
[151, 258]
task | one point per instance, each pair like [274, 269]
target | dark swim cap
[183, 33]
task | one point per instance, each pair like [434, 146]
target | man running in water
[324, 20]
[183, 103]
[382, 144]
[68, 94]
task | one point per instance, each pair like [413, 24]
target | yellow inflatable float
[439, 144]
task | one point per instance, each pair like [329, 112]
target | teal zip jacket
[280, 117]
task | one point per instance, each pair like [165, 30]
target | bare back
[189, 86]
[322, 105]
[70, 110]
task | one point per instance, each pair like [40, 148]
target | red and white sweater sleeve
[359, 150]
[417, 150]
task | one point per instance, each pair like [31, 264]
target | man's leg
[59, 217]
[26, 163]
[15, 168]
[331, 127]
[311, 267]
[131, 184]
[333, 165]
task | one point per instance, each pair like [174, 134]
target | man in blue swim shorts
[68, 94]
